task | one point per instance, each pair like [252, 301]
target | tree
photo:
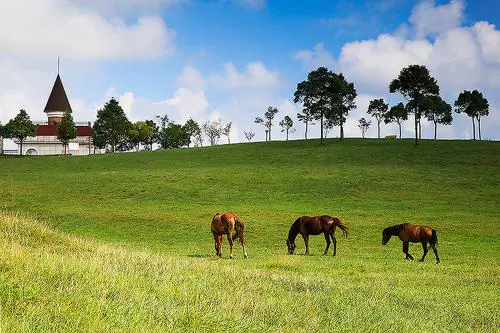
[249, 135]
[306, 118]
[363, 125]
[287, 126]
[326, 95]
[268, 123]
[341, 96]
[473, 104]
[437, 111]
[415, 83]
[172, 135]
[149, 140]
[398, 113]
[311, 93]
[111, 125]
[213, 130]
[226, 130]
[140, 132]
[192, 129]
[66, 130]
[378, 109]
[20, 128]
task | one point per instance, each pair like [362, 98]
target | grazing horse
[231, 225]
[412, 233]
[315, 225]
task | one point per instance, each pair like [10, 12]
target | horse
[413, 233]
[231, 225]
[315, 225]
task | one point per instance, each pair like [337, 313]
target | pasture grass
[122, 243]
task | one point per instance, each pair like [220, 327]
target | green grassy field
[122, 243]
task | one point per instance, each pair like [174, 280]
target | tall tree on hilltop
[268, 122]
[398, 113]
[437, 111]
[378, 109]
[473, 104]
[326, 96]
[286, 126]
[20, 128]
[226, 131]
[111, 125]
[66, 130]
[415, 83]
[311, 93]
[306, 118]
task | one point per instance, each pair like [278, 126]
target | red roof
[58, 101]
[51, 130]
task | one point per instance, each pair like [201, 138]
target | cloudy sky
[232, 58]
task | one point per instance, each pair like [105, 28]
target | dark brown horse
[231, 225]
[315, 225]
[415, 234]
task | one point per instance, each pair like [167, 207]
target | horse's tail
[341, 226]
[239, 227]
[434, 238]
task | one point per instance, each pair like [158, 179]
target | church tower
[57, 104]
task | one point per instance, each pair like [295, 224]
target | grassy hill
[123, 242]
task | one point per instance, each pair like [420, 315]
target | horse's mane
[395, 229]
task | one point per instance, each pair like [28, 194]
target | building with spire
[46, 142]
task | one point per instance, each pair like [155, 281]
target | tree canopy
[397, 113]
[378, 109]
[111, 126]
[66, 130]
[20, 128]
[415, 83]
[474, 105]
[268, 116]
[286, 125]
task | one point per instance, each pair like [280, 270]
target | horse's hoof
[437, 262]
[421, 260]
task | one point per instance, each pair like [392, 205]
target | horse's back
[416, 233]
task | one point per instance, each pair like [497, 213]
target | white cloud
[429, 20]
[255, 75]
[51, 27]
[316, 58]
[489, 40]
[190, 78]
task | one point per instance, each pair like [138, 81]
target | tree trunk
[306, 129]
[21, 143]
[435, 130]
[416, 129]
[378, 129]
[473, 128]
[341, 131]
[420, 128]
[287, 134]
[479, 126]
[321, 127]
[269, 133]
[113, 147]
[399, 130]
[228, 139]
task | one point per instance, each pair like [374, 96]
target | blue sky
[230, 59]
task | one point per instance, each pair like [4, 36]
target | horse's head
[386, 235]
[290, 245]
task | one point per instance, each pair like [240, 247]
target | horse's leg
[306, 240]
[405, 251]
[424, 246]
[327, 238]
[433, 246]
[230, 239]
[334, 244]
[216, 241]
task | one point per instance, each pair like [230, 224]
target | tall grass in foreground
[54, 282]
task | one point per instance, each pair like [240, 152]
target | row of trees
[328, 97]
[113, 129]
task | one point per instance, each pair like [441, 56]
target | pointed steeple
[57, 103]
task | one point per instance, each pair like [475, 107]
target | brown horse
[315, 225]
[231, 225]
[413, 233]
